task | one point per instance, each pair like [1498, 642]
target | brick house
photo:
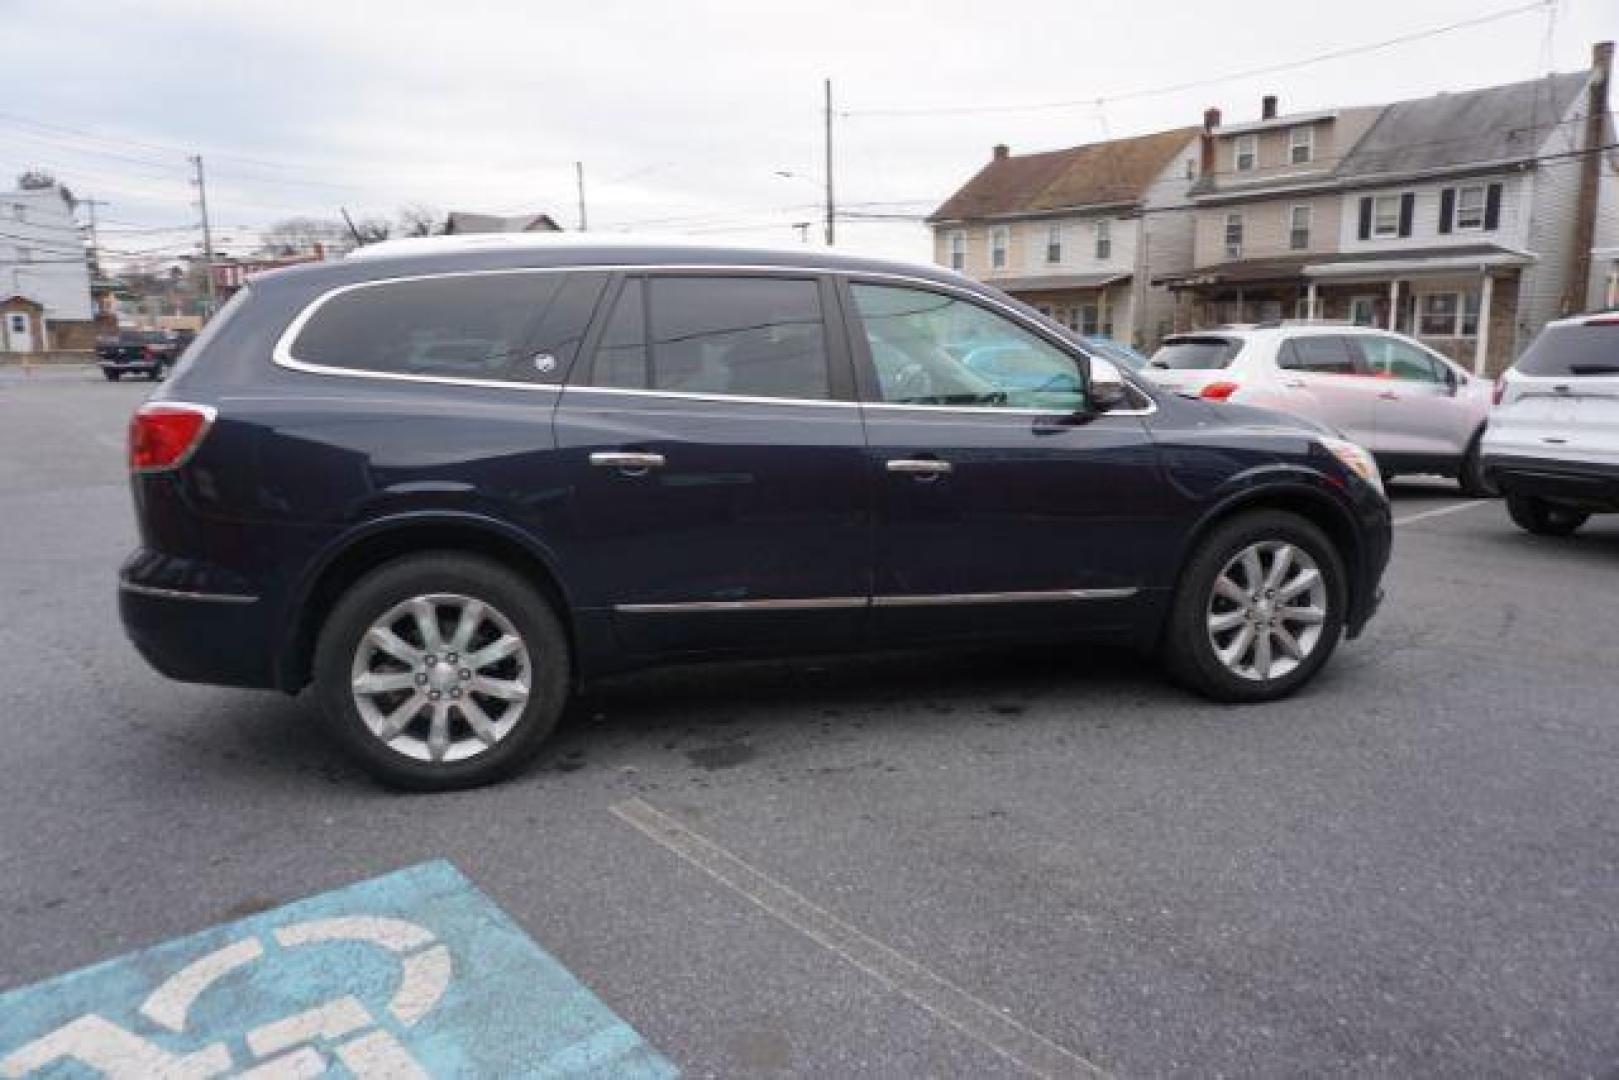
[1073, 231]
[1467, 220]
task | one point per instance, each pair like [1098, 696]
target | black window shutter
[1447, 209]
[1492, 208]
[1408, 203]
[1365, 218]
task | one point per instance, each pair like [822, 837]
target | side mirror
[1108, 390]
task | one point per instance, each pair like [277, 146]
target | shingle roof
[462, 221]
[1097, 174]
[1498, 123]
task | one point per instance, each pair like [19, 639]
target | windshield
[1202, 353]
[1573, 349]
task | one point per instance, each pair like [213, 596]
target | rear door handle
[1389, 395]
[1296, 384]
[921, 468]
[631, 463]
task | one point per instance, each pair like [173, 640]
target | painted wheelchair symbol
[281, 1049]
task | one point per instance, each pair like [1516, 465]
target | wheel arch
[378, 542]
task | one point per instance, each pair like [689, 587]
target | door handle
[921, 468]
[630, 463]
[1296, 384]
[1389, 395]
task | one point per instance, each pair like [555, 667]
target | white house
[44, 275]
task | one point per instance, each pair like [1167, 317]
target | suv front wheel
[442, 671]
[1542, 518]
[1259, 609]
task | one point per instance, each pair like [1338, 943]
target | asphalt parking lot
[974, 865]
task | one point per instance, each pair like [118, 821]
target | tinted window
[1197, 353]
[1389, 358]
[931, 349]
[1591, 349]
[756, 337]
[517, 327]
[1322, 354]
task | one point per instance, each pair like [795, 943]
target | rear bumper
[1587, 485]
[131, 367]
[196, 631]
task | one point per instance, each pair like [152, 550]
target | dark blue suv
[446, 483]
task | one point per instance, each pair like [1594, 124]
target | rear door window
[1202, 353]
[505, 327]
[742, 336]
[1320, 354]
[1573, 350]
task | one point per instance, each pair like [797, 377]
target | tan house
[1072, 232]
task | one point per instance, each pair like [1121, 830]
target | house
[1072, 232]
[460, 221]
[1467, 220]
[44, 275]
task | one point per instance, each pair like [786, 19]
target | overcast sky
[683, 113]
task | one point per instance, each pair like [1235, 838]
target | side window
[932, 349]
[1320, 354]
[748, 336]
[509, 327]
[1389, 358]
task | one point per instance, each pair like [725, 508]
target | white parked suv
[1553, 441]
[1415, 410]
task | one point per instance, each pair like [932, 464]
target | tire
[513, 729]
[1542, 518]
[112, 376]
[1470, 475]
[1189, 646]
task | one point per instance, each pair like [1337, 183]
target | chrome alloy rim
[441, 677]
[1267, 610]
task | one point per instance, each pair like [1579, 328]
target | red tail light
[1219, 391]
[1500, 389]
[163, 434]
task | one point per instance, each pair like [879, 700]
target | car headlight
[1357, 458]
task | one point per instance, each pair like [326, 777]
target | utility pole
[831, 231]
[579, 175]
[207, 232]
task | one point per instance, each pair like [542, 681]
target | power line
[1192, 84]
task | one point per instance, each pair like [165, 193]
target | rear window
[1589, 349]
[1197, 353]
[507, 327]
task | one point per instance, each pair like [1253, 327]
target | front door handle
[1389, 395]
[1296, 384]
[630, 463]
[921, 468]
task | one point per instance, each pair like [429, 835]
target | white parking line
[1439, 512]
[977, 1019]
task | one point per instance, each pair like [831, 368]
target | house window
[1054, 244]
[25, 254]
[998, 239]
[958, 250]
[1104, 238]
[1363, 310]
[1298, 228]
[1386, 215]
[1301, 145]
[1233, 236]
[1090, 320]
[1448, 314]
[1247, 152]
[1191, 168]
[1470, 207]
[19, 211]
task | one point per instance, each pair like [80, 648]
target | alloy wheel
[1267, 609]
[441, 677]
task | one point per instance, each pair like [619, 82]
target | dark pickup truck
[140, 352]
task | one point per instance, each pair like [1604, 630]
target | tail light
[1219, 391]
[1500, 389]
[148, 353]
[163, 434]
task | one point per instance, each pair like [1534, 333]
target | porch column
[1309, 302]
[1394, 304]
[1481, 348]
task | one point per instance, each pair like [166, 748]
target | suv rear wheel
[1470, 476]
[1259, 609]
[1543, 518]
[442, 671]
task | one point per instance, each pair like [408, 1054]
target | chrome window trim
[181, 594]
[685, 395]
[1045, 596]
[282, 356]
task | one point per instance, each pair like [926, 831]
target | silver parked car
[1415, 410]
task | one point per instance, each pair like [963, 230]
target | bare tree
[419, 219]
[373, 230]
[43, 180]
[299, 235]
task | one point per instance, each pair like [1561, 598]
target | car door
[1001, 507]
[716, 467]
[1421, 412]
[1322, 378]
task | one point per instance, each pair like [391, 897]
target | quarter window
[508, 327]
[1470, 207]
[1247, 152]
[745, 336]
[1386, 215]
[1321, 354]
[932, 349]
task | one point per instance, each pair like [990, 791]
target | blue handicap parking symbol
[414, 974]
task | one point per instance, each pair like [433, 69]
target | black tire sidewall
[1188, 651]
[415, 575]
[1542, 518]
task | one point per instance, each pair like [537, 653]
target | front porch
[1093, 305]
